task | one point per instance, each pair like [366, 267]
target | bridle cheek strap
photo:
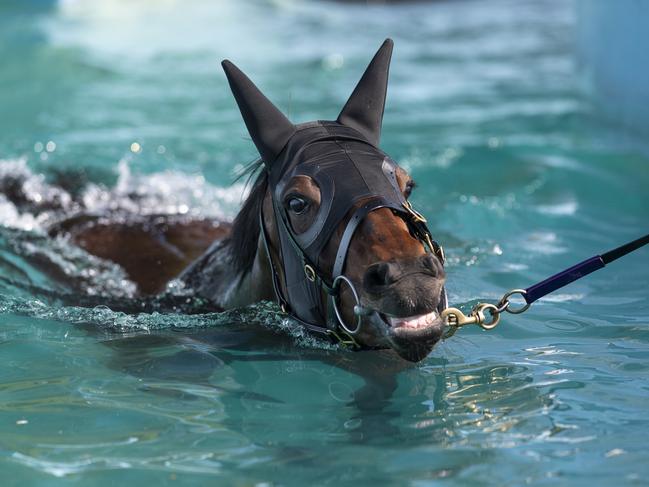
[334, 335]
[355, 220]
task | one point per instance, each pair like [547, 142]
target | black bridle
[344, 152]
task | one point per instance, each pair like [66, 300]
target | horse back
[152, 249]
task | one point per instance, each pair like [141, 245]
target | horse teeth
[417, 321]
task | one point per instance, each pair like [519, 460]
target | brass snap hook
[454, 317]
[492, 310]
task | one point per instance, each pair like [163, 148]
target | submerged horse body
[327, 230]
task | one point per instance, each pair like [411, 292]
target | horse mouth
[415, 322]
[413, 337]
[427, 327]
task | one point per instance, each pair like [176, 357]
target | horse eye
[297, 205]
[410, 185]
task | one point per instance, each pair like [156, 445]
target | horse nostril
[433, 264]
[378, 275]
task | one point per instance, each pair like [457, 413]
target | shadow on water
[295, 400]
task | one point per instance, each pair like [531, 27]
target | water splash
[166, 192]
[103, 318]
[30, 207]
[28, 202]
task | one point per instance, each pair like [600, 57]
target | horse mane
[242, 243]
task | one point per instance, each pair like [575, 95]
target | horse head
[350, 257]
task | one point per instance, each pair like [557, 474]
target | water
[125, 104]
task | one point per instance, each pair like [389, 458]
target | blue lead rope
[580, 270]
[487, 315]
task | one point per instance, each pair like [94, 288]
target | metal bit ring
[334, 299]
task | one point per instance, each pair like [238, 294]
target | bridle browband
[311, 285]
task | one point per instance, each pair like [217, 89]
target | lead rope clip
[485, 315]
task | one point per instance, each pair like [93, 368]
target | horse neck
[253, 286]
[220, 278]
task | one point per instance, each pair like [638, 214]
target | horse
[327, 230]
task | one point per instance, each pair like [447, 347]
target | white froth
[167, 193]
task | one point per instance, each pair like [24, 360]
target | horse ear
[364, 109]
[268, 127]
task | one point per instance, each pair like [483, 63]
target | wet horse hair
[242, 243]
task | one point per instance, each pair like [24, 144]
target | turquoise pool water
[518, 172]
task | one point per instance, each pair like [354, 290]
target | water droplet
[333, 61]
[136, 148]
[38, 147]
[493, 142]
[50, 146]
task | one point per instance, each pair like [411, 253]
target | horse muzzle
[412, 337]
